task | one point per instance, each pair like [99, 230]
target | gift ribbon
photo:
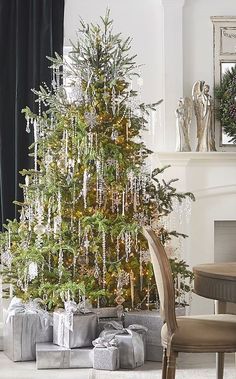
[113, 329]
[32, 307]
[66, 316]
[105, 341]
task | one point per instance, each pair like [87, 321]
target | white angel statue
[203, 108]
[183, 120]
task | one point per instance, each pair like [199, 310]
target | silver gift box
[49, 356]
[20, 334]
[106, 312]
[131, 347]
[83, 330]
[131, 352]
[106, 358]
[154, 323]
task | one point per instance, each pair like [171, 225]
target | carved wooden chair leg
[164, 364]
[219, 365]
[171, 365]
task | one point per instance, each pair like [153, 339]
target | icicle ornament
[32, 270]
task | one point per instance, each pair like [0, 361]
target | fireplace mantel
[212, 179]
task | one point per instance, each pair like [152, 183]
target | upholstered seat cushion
[212, 333]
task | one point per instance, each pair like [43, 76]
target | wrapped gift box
[82, 332]
[154, 323]
[109, 312]
[49, 356]
[106, 358]
[20, 334]
[130, 343]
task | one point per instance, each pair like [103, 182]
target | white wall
[139, 19]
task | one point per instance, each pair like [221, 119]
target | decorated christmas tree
[89, 193]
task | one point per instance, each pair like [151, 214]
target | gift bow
[83, 306]
[66, 315]
[118, 328]
[32, 307]
[105, 341]
[113, 329]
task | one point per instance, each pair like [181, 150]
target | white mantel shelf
[178, 158]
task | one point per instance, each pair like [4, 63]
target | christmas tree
[89, 194]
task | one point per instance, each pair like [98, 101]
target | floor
[194, 366]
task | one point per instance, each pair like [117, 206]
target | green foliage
[225, 93]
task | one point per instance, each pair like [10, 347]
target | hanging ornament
[117, 248]
[39, 229]
[122, 279]
[6, 258]
[79, 231]
[113, 101]
[128, 126]
[96, 267]
[127, 245]
[85, 178]
[86, 246]
[103, 260]
[91, 118]
[32, 270]
[35, 144]
[123, 203]
[132, 288]
[60, 263]
[114, 135]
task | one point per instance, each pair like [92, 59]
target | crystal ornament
[104, 260]
[96, 267]
[60, 263]
[123, 279]
[35, 144]
[119, 299]
[6, 258]
[113, 101]
[85, 178]
[91, 118]
[114, 135]
[127, 245]
[32, 270]
[39, 229]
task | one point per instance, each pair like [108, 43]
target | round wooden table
[217, 281]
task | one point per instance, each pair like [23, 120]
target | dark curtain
[30, 30]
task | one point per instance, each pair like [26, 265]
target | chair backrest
[164, 279]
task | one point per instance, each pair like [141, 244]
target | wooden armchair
[189, 334]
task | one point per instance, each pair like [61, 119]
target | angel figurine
[183, 120]
[203, 108]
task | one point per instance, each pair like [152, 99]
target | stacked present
[153, 322]
[73, 339]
